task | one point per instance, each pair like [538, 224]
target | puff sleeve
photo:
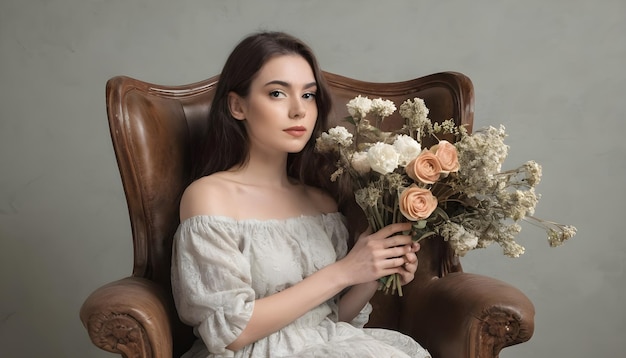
[211, 281]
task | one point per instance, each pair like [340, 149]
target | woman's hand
[382, 253]
[407, 274]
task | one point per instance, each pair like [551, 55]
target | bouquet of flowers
[453, 190]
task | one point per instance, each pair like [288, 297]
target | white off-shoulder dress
[221, 265]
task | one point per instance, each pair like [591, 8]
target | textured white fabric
[221, 265]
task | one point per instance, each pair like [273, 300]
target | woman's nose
[297, 109]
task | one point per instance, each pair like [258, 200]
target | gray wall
[551, 71]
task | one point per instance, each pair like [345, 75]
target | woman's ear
[236, 106]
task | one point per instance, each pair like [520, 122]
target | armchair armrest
[129, 317]
[467, 315]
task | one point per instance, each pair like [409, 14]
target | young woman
[260, 264]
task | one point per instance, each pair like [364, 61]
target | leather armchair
[155, 129]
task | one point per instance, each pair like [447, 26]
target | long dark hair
[225, 143]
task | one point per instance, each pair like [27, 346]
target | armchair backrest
[155, 129]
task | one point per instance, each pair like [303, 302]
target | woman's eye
[309, 96]
[276, 94]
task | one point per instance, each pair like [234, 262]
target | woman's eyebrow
[287, 84]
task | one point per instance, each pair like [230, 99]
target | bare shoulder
[205, 196]
[321, 200]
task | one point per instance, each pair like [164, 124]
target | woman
[260, 264]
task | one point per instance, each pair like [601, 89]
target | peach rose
[417, 203]
[426, 168]
[447, 155]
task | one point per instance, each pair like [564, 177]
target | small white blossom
[395, 181]
[556, 237]
[407, 147]
[415, 108]
[533, 172]
[323, 144]
[367, 197]
[334, 176]
[481, 156]
[382, 107]
[515, 204]
[336, 136]
[359, 107]
[557, 233]
[415, 113]
[360, 163]
[447, 126]
[383, 158]
[341, 136]
[512, 248]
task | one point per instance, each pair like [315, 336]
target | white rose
[383, 158]
[407, 147]
[360, 163]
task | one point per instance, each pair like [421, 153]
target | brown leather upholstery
[155, 130]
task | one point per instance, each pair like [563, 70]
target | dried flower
[557, 233]
[481, 156]
[556, 237]
[512, 248]
[416, 114]
[368, 197]
[446, 127]
[532, 172]
[459, 238]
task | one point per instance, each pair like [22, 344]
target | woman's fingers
[408, 268]
[393, 229]
[393, 262]
[397, 252]
[397, 240]
[400, 245]
[411, 263]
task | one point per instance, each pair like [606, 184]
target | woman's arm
[353, 301]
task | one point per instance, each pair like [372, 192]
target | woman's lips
[298, 131]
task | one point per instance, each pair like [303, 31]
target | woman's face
[280, 110]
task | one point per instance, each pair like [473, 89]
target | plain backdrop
[553, 72]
